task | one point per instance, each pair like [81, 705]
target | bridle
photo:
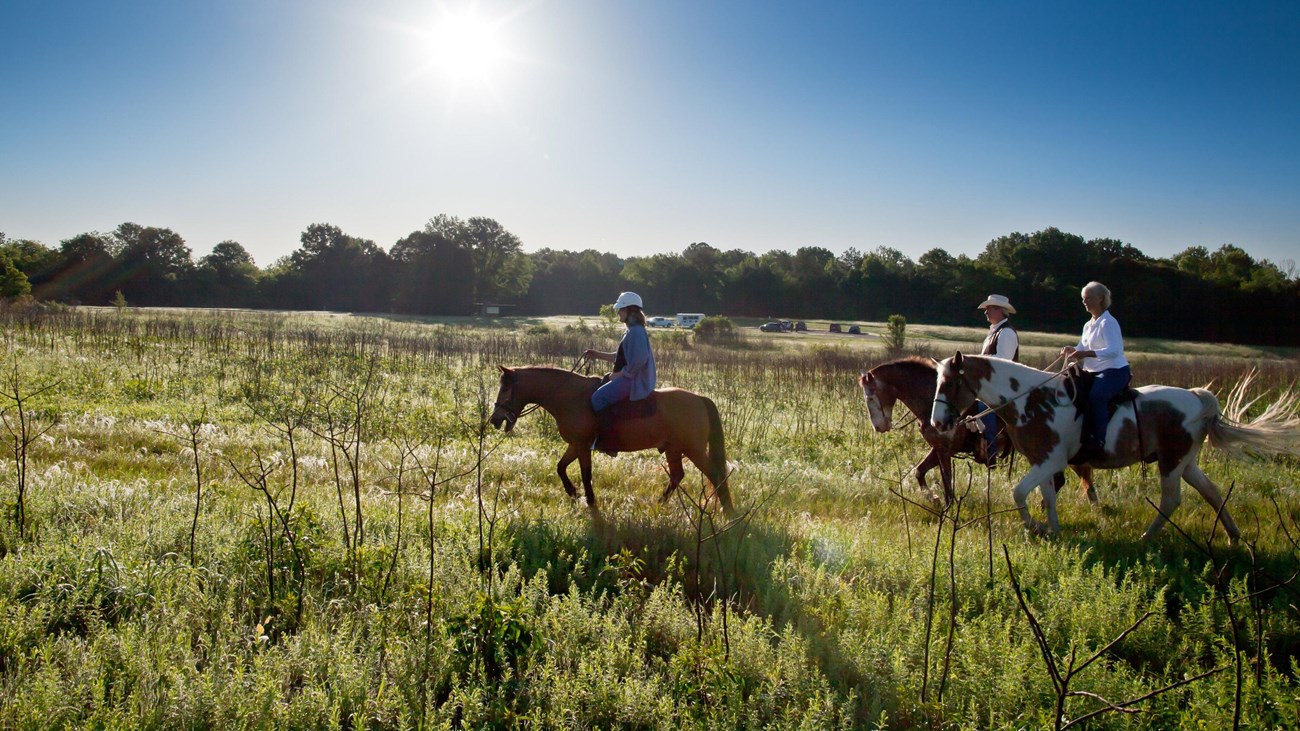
[961, 381]
[513, 415]
[869, 387]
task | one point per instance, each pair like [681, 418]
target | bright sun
[466, 48]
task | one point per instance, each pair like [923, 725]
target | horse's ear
[956, 359]
[503, 369]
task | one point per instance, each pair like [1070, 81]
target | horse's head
[507, 403]
[952, 394]
[880, 401]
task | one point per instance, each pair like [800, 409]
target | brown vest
[992, 347]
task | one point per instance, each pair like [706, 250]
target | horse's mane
[551, 370]
[1003, 363]
[910, 364]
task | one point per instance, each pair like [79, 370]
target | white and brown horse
[912, 381]
[1165, 425]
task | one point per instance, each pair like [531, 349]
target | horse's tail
[718, 455]
[1275, 431]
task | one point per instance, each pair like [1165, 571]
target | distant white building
[689, 320]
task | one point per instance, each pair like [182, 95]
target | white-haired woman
[1101, 352]
[634, 365]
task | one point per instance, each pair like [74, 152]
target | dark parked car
[800, 326]
[771, 327]
[855, 330]
[835, 327]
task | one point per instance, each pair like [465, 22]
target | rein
[517, 415]
[961, 375]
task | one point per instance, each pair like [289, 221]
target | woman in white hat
[634, 363]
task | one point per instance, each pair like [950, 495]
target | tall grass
[298, 521]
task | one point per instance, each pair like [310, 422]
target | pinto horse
[682, 424]
[1165, 425]
[912, 380]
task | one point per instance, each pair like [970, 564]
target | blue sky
[641, 127]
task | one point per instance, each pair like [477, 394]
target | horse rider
[1101, 352]
[634, 375]
[1001, 342]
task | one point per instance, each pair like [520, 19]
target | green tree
[13, 283]
[335, 271]
[501, 270]
[227, 277]
[432, 275]
[85, 271]
[896, 335]
[152, 264]
[572, 281]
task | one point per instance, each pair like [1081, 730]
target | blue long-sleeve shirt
[637, 362]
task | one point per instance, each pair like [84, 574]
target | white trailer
[689, 320]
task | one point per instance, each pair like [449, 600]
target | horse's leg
[945, 476]
[1085, 482]
[1038, 476]
[700, 459]
[584, 466]
[675, 473]
[1048, 490]
[930, 461]
[1198, 479]
[562, 468]
[1171, 495]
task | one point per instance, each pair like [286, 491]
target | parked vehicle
[855, 330]
[771, 327]
[659, 322]
[800, 327]
[689, 320]
[835, 327]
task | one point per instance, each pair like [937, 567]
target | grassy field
[235, 519]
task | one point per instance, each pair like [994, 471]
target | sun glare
[467, 48]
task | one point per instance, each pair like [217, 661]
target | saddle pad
[642, 409]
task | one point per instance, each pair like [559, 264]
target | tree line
[452, 265]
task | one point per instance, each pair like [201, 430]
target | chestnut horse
[912, 380]
[682, 424]
[1165, 425]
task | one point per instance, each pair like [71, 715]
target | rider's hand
[1067, 351]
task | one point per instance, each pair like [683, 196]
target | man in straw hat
[1001, 342]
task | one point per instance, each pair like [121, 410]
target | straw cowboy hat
[998, 300]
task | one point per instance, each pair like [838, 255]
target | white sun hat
[628, 299]
[998, 300]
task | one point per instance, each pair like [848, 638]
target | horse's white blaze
[881, 418]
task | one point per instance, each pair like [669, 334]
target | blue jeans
[991, 425]
[617, 389]
[1105, 386]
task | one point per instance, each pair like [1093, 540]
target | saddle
[621, 411]
[1081, 381]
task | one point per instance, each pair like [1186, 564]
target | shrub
[716, 330]
[896, 335]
